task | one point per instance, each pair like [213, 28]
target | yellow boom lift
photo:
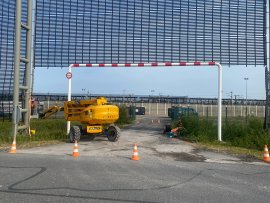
[97, 117]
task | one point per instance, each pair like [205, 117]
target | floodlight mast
[155, 65]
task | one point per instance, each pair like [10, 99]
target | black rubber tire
[113, 133]
[74, 134]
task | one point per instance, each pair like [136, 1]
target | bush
[124, 117]
[197, 129]
[235, 132]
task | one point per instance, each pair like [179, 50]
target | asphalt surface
[169, 170]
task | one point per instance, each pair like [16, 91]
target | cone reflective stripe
[266, 157]
[135, 156]
[135, 147]
[75, 150]
[13, 148]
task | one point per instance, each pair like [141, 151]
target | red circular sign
[69, 75]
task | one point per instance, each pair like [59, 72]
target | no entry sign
[69, 75]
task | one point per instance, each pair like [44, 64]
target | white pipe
[267, 65]
[69, 95]
[267, 38]
[219, 101]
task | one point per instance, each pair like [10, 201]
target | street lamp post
[246, 79]
[85, 93]
[83, 90]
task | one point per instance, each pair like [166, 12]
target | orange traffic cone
[75, 150]
[266, 157]
[13, 148]
[135, 156]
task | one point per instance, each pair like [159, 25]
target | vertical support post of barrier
[219, 100]
[267, 65]
[69, 95]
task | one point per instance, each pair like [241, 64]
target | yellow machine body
[94, 112]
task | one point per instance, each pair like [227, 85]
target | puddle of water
[185, 157]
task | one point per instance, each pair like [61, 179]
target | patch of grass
[236, 132]
[5, 132]
[46, 130]
[227, 148]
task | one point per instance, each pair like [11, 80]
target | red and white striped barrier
[143, 64]
[100, 65]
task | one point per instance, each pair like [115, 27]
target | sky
[173, 81]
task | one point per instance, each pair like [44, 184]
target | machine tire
[74, 134]
[113, 133]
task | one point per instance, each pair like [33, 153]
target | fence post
[226, 112]
[256, 111]
[241, 109]
[203, 109]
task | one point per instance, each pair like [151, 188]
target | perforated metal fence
[98, 31]
[132, 31]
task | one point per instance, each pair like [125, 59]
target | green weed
[235, 132]
[124, 117]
